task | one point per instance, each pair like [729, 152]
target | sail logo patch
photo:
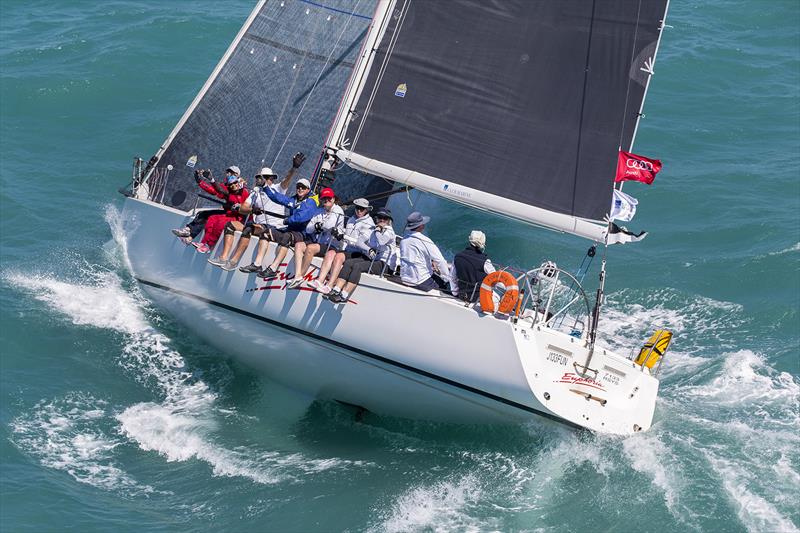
[192, 161]
[401, 90]
[456, 192]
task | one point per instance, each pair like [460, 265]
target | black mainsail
[274, 92]
[514, 106]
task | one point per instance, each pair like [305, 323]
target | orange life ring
[509, 300]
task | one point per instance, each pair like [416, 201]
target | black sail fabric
[523, 99]
[248, 117]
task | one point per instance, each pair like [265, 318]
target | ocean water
[113, 416]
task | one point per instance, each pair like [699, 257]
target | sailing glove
[372, 253]
[337, 234]
[318, 227]
[298, 159]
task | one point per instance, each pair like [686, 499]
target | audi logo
[639, 165]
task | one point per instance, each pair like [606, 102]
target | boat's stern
[609, 394]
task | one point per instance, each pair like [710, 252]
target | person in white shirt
[323, 243]
[318, 234]
[357, 229]
[256, 207]
[376, 251]
[419, 256]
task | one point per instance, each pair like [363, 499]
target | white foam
[65, 435]
[795, 248]
[179, 436]
[180, 426]
[755, 512]
[100, 302]
[698, 324]
[747, 379]
[648, 455]
[630, 324]
[441, 506]
[118, 255]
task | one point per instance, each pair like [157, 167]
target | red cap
[327, 192]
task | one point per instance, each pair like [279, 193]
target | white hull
[394, 350]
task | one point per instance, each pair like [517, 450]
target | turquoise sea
[114, 417]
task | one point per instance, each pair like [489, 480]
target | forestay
[515, 106]
[275, 92]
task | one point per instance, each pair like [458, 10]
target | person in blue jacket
[301, 208]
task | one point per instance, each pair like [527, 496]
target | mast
[379, 23]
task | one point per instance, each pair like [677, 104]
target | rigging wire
[316, 82]
[628, 88]
[279, 120]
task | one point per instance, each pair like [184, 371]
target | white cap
[477, 239]
[234, 169]
[304, 182]
[266, 171]
[362, 203]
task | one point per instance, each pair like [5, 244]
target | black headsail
[274, 92]
[514, 106]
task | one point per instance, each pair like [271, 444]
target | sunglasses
[379, 217]
[327, 199]
[302, 188]
[362, 208]
[265, 176]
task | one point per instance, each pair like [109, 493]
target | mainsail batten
[526, 101]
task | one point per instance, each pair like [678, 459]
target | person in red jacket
[234, 193]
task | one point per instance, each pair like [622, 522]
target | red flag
[637, 168]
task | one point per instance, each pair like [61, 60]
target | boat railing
[148, 181]
[554, 298]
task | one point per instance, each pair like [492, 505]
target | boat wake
[727, 420]
[73, 434]
[78, 433]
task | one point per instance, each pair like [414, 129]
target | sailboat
[514, 107]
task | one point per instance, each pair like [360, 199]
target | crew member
[470, 266]
[375, 253]
[357, 230]
[302, 208]
[257, 207]
[419, 256]
[234, 192]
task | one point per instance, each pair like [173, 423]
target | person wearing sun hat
[470, 266]
[229, 190]
[375, 254]
[419, 256]
[357, 229]
[232, 191]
